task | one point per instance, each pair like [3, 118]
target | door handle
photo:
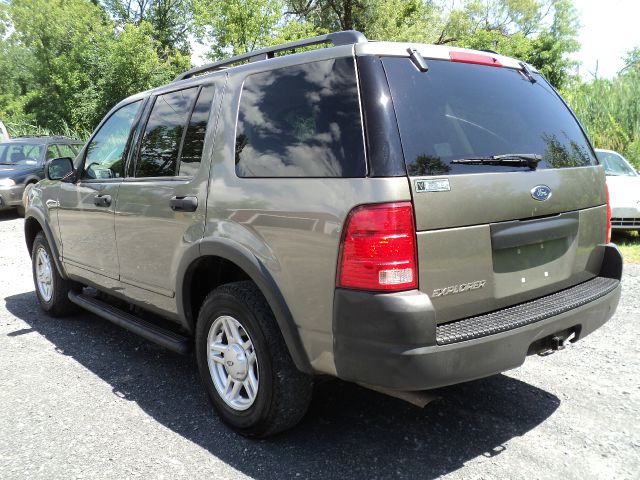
[184, 204]
[102, 200]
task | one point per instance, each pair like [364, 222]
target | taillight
[378, 248]
[608, 237]
[475, 58]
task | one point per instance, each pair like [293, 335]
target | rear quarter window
[160, 143]
[193, 144]
[301, 121]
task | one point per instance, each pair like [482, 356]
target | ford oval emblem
[541, 193]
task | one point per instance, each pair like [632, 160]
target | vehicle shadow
[349, 432]
[10, 214]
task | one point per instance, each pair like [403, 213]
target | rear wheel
[51, 289]
[245, 365]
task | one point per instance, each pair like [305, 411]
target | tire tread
[60, 305]
[291, 389]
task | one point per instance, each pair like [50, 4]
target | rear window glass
[461, 111]
[301, 121]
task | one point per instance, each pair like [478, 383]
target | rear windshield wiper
[510, 160]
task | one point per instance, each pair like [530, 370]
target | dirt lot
[81, 398]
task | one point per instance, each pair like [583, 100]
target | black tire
[20, 210]
[284, 393]
[59, 304]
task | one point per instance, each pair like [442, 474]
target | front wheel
[51, 289]
[244, 363]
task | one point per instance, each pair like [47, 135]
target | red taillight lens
[608, 237]
[475, 58]
[378, 248]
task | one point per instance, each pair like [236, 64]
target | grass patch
[629, 245]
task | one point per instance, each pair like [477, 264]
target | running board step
[166, 338]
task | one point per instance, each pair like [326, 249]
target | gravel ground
[81, 398]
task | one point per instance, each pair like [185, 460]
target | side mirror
[59, 169]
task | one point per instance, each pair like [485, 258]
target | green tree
[170, 21]
[232, 27]
[58, 36]
[76, 63]
[125, 64]
[552, 46]
[333, 14]
[402, 20]
[15, 64]
[632, 61]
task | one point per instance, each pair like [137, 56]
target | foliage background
[65, 63]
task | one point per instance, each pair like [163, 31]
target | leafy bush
[610, 112]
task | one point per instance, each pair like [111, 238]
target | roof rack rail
[43, 135]
[346, 37]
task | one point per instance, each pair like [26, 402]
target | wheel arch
[237, 263]
[32, 226]
[31, 179]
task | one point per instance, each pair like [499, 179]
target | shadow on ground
[349, 432]
[10, 214]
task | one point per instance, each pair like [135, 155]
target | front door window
[106, 151]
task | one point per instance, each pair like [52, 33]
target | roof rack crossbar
[346, 37]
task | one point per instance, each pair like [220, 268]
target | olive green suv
[402, 216]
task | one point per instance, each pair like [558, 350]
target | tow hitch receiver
[553, 343]
[559, 343]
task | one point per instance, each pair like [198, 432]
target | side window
[191, 154]
[105, 152]
[301, 121]
[160, 144]
[67, 151]
[52, 152]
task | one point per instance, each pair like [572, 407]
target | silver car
[623, 182]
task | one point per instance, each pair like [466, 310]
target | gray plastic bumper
[392, 340]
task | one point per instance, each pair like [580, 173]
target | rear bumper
[392, 340]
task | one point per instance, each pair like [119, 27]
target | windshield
[460, 111]
[20, 153]
[615, 165]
